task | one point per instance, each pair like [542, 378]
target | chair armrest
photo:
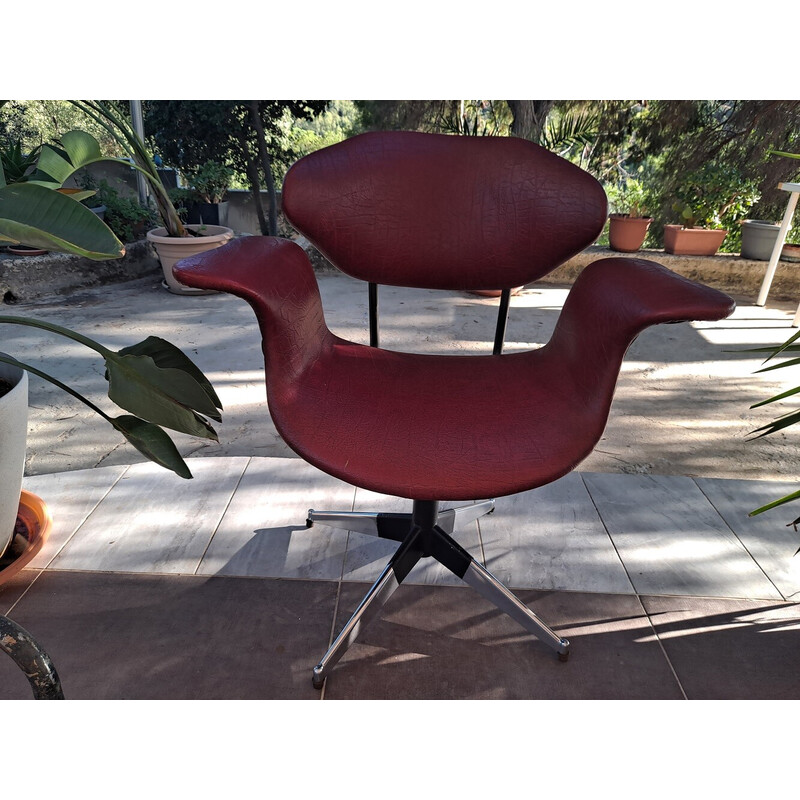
[276, 278]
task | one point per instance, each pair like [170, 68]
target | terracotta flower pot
[682, 241]
[626, 234]
[790, 252]
[172, 249]
[494, 292]
[33, 525]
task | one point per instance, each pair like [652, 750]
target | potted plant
[758, 238]
[174, 240]
[709, 198]
[128, 219]
[628, 223]
[209, 185]
[38, 212]
[13, 433]
[154, 381]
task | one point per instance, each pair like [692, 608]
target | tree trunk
[255, 191]
[251, 168]
[255, 118]
[529, 117]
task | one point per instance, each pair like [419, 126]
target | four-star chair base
[423, 534]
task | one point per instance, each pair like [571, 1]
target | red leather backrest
[443, 212]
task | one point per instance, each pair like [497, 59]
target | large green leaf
[781, 396]
[152, 442]
[146, 437]
[775, 503]
[779, 424]
[39, 217]
[166, 355]
[163, 396]
[56, 164]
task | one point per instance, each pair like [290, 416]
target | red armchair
[442, 212]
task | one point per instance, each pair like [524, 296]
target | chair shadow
[284, 552]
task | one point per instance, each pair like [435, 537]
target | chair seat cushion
[425, 427]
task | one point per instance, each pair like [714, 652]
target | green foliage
[126, 217]
[182, 198]
[210, 181]
[714, 196]
[569, 132]
[17, 166]
[476, 118]
[114, 120]
[39, 213]
[628, 197]
[786, 420]
[156, 382]
[34, 122]
[340, 120]
[188, 133]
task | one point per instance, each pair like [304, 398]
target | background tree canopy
[247, 135]
[657, 147]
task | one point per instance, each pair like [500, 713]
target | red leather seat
[432, 427]
[449, 212]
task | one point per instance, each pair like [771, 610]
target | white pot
[13, 438]
[172, 249]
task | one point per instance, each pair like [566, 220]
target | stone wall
[26, 279]
[727, 271]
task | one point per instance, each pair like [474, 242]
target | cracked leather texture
[443, 212]
[433, 427]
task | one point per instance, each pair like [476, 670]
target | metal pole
[794, 188]
[137, 118]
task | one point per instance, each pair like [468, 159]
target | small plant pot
[208, 213]
[758, 239]
[494, 292]
[171, 249]
[24, 250]
[682, 241]
[790, 252]
[626, 234]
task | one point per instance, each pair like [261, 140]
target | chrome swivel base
[425, 534]
[396, 526]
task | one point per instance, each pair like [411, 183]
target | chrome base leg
[452, 518]
[359, 521]
[425, 533]
[395, 525]
[369, 607]
[480, 579]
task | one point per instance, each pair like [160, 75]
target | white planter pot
[171, 249]
[13, 438]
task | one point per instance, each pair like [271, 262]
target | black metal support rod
[425, 513]
[373, 315]
[502, 319]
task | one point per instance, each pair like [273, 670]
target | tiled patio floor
[154, 587]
